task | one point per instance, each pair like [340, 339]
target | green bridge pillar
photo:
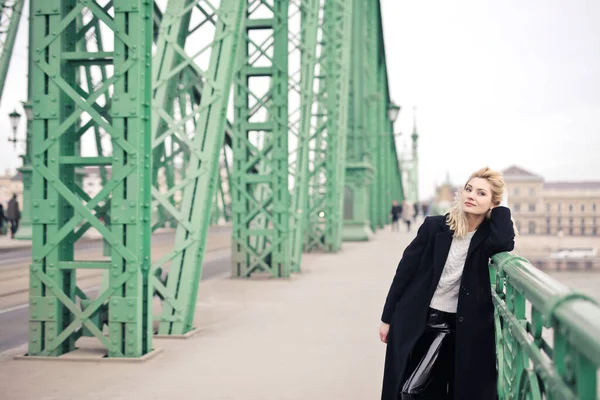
[357, 226]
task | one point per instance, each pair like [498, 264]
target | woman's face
[476, 197]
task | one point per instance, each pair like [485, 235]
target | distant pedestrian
[408, 214]
[396, 212]
[424, 209]
[2, 220]
[13, 215]
[416, 207]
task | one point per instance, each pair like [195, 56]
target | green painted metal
[547, 336]
[371, 104]
[60, 205]
[10, 18]
[225, 173]
[260, 193]
[173, 29]
[327, 176]
[188, 94]
[359, 168]
[25, 227]
[390, 183]
[306, 81]
[221, 210]
[178, 163]
[200, 128]
[376, 128]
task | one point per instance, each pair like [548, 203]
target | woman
[438, 318]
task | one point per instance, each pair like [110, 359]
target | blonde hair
[457, 219]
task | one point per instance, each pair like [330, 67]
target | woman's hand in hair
[383, 332]
[503, 201]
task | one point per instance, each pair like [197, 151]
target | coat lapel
[480, 235]
[443, 240]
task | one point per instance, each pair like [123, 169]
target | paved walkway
[8, 244]
[314, 337]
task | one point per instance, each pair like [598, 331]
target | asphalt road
[14, 319]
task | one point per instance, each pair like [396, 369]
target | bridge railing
[547, 335]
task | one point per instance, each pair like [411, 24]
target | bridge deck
[314, 336]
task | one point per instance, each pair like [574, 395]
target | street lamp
[14, 122]
[393, 111]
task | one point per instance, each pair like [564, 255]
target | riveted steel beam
[62, 210]
[301, 125]
[328, 152]
[260, 193]
[202, 36]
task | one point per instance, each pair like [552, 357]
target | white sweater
[445, 297]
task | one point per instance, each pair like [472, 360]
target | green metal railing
[547, 335]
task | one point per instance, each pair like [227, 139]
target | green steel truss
[372, 172]
[372, 100]
[392, 187]
[197, 43]
[386, 186]
[259, 181]
[62, 211]
[327, 175]
[304, 25]
[278, 173]
[221, 208]
[89, 39]
[170, 162]
[318, 122]
[10, 17]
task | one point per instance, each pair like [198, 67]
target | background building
[11, 182]
[549, 208]
[557, 221]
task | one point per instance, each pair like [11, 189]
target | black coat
[411, 291]
[12, 212]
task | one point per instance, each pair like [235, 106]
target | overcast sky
[496, 83]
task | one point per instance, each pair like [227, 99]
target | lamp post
[14, 117]
[392, 182]
[415, 157]
[25, 228]
[409, 163]
[392, 112]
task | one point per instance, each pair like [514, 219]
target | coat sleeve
[406, 268]
[502, 234]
